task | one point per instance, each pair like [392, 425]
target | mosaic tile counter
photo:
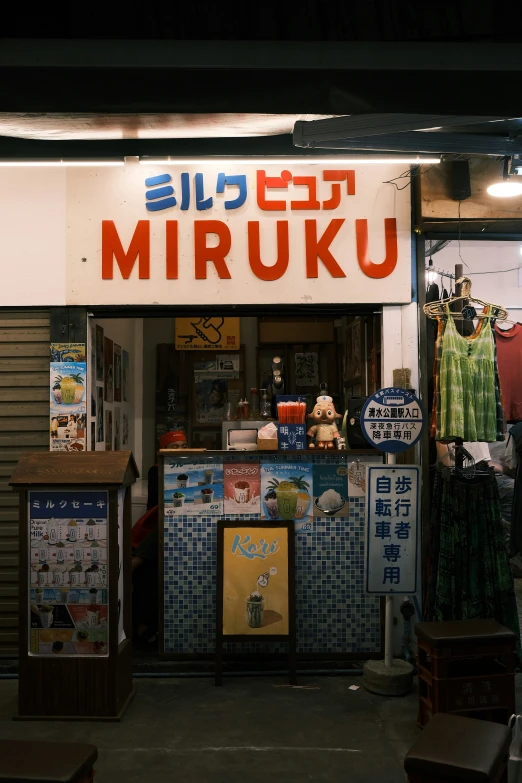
[334, 614]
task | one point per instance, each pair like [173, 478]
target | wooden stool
[459, 749]
[466, 667]
[46, 762]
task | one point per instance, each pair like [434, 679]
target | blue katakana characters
[159, 197]
[383, 508]
[202, 202]
[240, 181]
[392, 574]
[185, 192]
[392, 552]
[402, 530]
[402, 485]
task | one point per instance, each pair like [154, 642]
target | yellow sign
[207, 334]
[255, 581]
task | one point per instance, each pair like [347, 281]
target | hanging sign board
[207, 334]
[392, 523]
[392, 420]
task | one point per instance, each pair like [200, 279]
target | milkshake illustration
[207, 495]
[93, 615]
[255, 607]
[271, 505]
[242, 491]
[208, 476]
[72, 530]
[286, 493]
[46, 615]
[178, 498]
[181, 481]
[60, 552]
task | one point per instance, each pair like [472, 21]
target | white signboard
[224, 233]
[392, 537]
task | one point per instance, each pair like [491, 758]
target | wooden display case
[75, 585]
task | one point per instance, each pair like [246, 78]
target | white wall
[126, 332]
[496, 286]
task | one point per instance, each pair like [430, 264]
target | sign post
[393, 420]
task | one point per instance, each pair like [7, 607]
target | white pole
[388, 623]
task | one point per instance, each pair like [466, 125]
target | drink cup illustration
[208, 476]
[78, 553]
[76, 576]
[286, 494]
[178, 498]
[271, 505]
[60, 552]
[42, 578]
[93, 615]
[181, 481]
[53, 533]
[72, 529]
[207, 495]
[91, 578]
[64, 595]
[242, 492]
[44, 553]
[255, 607]
[46, 615]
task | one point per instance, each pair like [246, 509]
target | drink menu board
[68, 574]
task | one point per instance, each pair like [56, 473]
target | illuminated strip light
[59, 162]
[308, 159]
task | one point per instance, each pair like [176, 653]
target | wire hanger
[438, 309]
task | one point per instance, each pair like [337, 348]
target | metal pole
[388, 623]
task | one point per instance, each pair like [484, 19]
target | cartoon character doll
[324, 433]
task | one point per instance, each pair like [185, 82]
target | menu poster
[255, 580]
[357, 474]
[68, 583]
[193, 487]
[242, 488]
[331, 489]
[68, 411]
[287, 493]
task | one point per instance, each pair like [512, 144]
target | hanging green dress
[467, 391]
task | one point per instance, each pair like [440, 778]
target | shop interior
[207, 393]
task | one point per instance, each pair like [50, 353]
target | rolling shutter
[24, 426]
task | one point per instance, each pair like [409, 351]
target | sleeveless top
[467, 388]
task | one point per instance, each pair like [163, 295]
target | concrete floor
[186, 729]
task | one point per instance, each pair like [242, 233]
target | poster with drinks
[255, 580]
[331, 488]
[68, 407]
[193, 487]
[68, 577]
[242, 488]
[287, 492]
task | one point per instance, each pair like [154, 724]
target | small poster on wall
[117, 441]
[100, 437]
[108, 430]
[117, 373]
[99, 354]
[307, 369]
[108, 362]
[125, 375]
[287, 493]
[194, 488]
[331, 489]
[125, 429]
[255, 585]
[68, 409]
[68, 588]
[242, 488]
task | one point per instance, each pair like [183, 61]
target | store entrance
[152, 388]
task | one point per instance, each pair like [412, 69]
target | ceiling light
[57, 162]
[297, 159]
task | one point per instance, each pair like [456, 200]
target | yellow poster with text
[255, 581]
[207, 334]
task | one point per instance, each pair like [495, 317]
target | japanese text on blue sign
[392, 419]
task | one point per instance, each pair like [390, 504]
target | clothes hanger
[438, 309]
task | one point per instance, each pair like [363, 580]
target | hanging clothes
[469, 575]
[467, 395]
[509, 353]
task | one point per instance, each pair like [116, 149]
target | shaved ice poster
[287, 492]
[331, 490]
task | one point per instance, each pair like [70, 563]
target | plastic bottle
[241, 410]
[246, 409]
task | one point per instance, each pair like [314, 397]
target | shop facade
[118, 247]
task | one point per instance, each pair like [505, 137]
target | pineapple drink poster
[287, 493]
[255, 581]
[68, 411]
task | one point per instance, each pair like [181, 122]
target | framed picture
[117, 440]
[255, 585]
[117, 373]
[100, 437]
[99, 353]
[108, 369]
[108, 430]
[125, 375]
